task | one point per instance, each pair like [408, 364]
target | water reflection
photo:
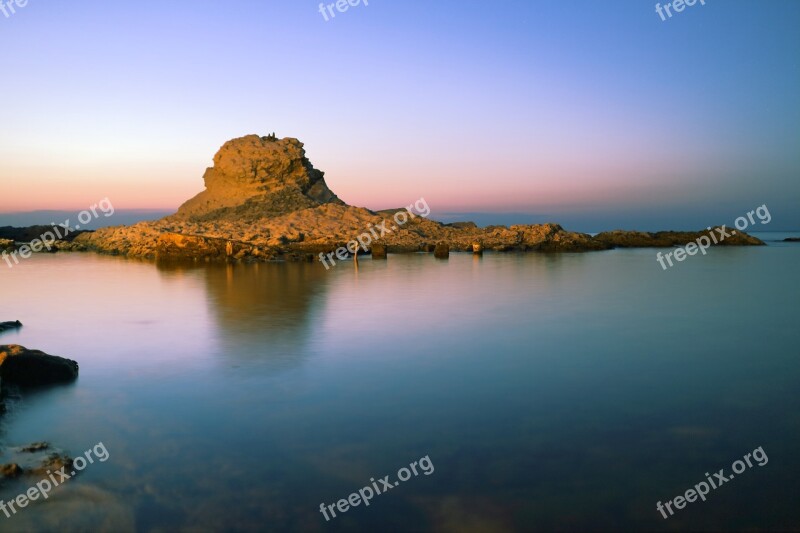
[264, 313]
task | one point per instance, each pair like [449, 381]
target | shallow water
[569, 391]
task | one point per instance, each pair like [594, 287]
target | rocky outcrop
[665, 239]
[29, 233]
[5, 326]
[36, 460]
[30, 368]
[255, 177]
[265, 201]
[792, 239]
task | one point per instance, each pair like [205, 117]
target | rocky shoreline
[264, 201]
[22, 369]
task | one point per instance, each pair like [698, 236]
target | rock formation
[10, 325]
[265, 201]
[32, 368]
[29, 368]
[256, 177]
[665, 239]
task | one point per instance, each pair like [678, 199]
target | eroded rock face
[255, 177]
[30, 368]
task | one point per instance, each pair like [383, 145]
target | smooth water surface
[568, 391]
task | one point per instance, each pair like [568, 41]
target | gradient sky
[552, 108]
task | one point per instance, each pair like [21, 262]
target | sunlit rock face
[255, 177]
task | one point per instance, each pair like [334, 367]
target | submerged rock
[33, 461]
[11, 470]
[28, 368]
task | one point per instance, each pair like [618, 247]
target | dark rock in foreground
[4, 326]
[31, 368]
[792, 239]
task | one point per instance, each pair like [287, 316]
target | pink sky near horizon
[459, 175]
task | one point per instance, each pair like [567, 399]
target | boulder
[378, 251]
[30, 368]
[10, 325]
[442, 251]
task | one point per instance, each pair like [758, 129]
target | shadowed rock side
[7, 326]
[265, 201]
[32, 368]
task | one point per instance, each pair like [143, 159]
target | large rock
[29, 368]
[254, 177]
[10, 325]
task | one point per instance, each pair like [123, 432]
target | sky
[569, 110]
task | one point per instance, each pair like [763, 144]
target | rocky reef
[264, 200]
[664, 239]
[21, 368]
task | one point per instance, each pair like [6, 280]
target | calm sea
[567, 392]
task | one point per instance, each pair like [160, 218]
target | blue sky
[566, 110]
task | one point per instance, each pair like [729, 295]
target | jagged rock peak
[258, 177]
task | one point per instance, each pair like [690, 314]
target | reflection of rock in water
[264, 310]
